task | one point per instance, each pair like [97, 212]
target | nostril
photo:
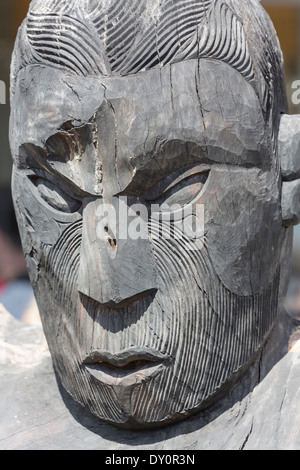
[110, 238]
[112, 242]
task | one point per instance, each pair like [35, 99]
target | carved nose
[130, 300]
[113, 271]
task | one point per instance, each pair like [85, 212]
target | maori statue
[121, 106]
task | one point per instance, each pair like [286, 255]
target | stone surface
[259, 413]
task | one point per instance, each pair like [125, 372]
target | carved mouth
[128, 367]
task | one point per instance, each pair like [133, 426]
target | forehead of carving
[45, 99]
[144, 124]
[113, 37]
[188, 112]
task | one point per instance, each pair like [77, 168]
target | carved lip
[129, 367]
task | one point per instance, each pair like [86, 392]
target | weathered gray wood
[291, 202]
[35, 416]
[289, 147]
[119, 103]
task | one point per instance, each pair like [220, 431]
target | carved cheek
[243, 226]
[41, 226]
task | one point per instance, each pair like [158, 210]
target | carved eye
[55, 196]
[181, 191]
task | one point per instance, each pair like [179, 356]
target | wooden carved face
[146, 327]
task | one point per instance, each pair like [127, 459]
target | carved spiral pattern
[120, 37]
[54, 43]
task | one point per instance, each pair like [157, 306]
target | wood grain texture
[50, 32]
[289, 147]
[261, 411]
[125, 103]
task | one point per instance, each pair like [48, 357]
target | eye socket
[181, 191]
[55, 196]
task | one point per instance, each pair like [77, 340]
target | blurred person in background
[16, 293]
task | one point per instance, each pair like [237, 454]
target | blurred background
[15, 290]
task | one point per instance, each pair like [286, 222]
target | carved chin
[161, 357]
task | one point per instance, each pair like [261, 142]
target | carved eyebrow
[168, 184]
[70, 141]
[68, 138]
[71, 155]
[157, 164]
[32, 157]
